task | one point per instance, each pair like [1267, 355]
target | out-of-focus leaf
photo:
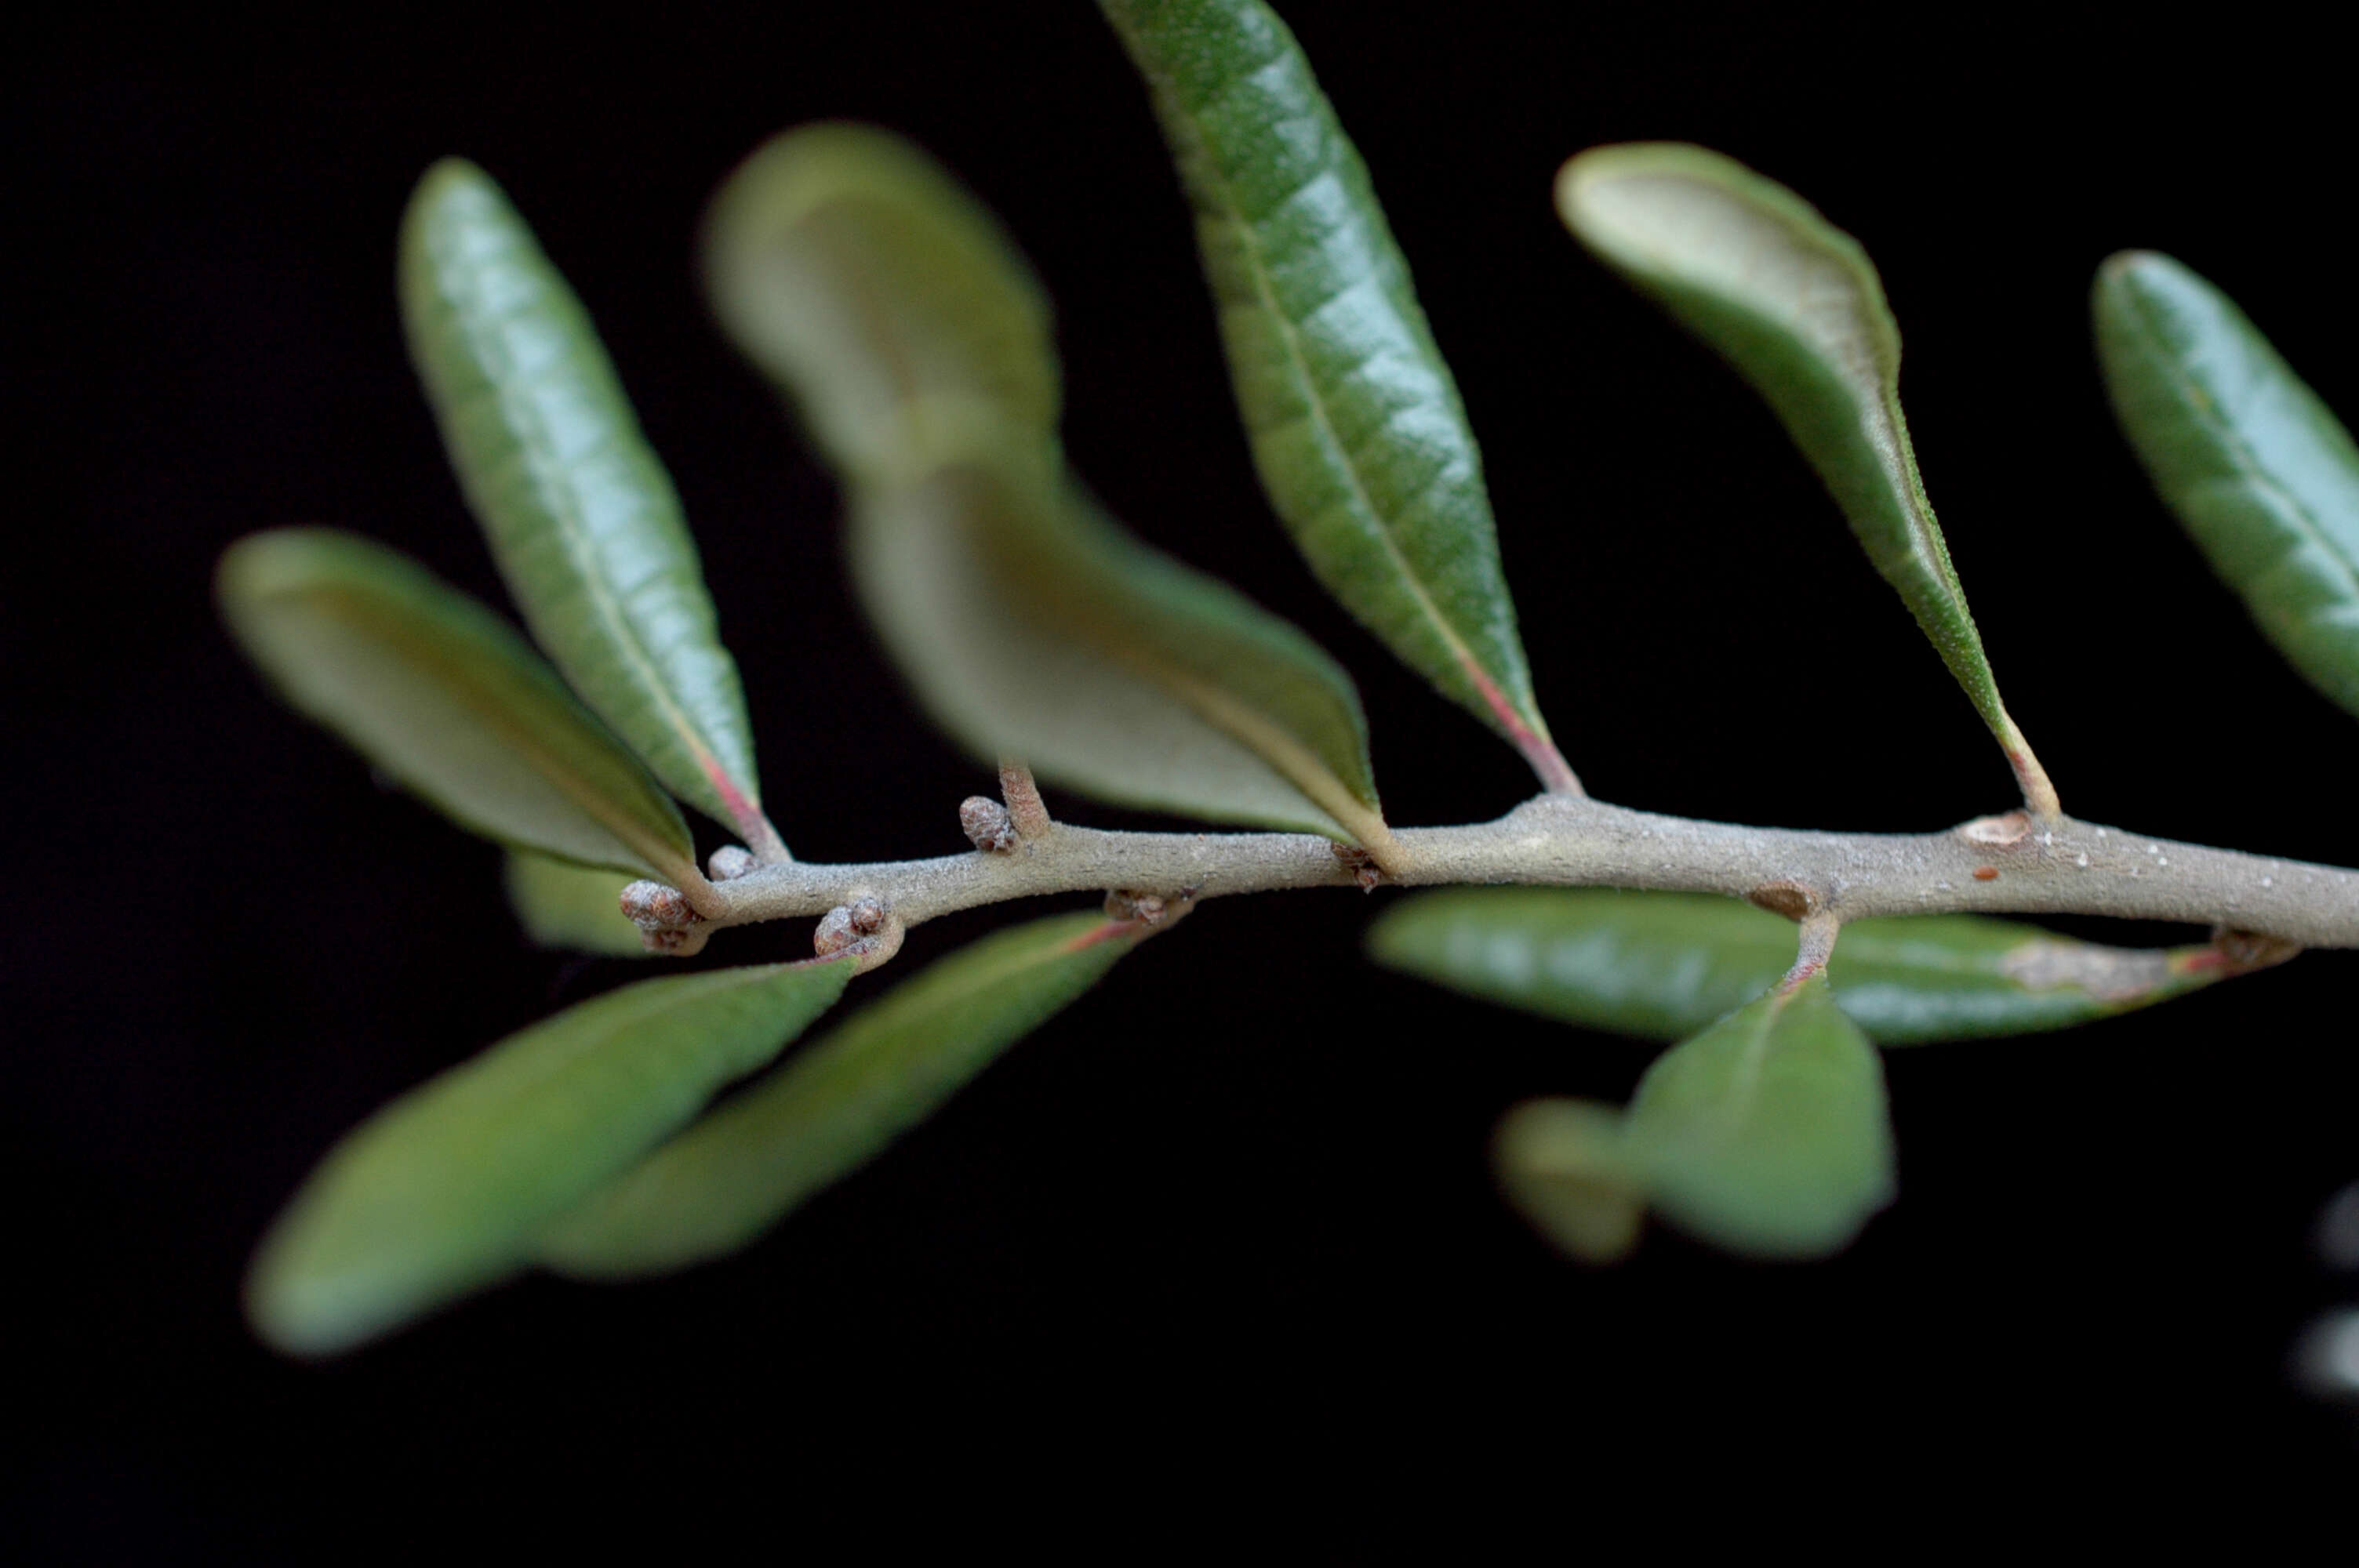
[1031, 626]
[1768, 1133]
[1563, 1165]
[1663, 965]
[2260, 473]
[581, 517]
[1355, 424]
[438, 692]
[564, 905]
[836, 1104]
[915, 343]
[439, 1193]
[1794, 305]
[884, 301]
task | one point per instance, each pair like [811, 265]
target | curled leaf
[1354, 420]
[582, 516]
[438, 692]
[2259, 472]
[835, 1105]
[439, 1193]
[1664, 965]
[915, 343]
[1794, 305]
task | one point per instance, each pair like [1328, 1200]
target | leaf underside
[1355, 424]
[2256, 468]
[435, 690]
[571, 907]
[581, 516]
[1795, 306]
[1662, 966]
[915, 345]
[835, 1105]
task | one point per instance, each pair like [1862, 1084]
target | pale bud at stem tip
[654, 908]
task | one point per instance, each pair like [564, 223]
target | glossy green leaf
[439, 1193]
[1355, 424]
[1794, 305]
[562, 905]
[581, 517]
[435, 690]
[2260, 473]
[1663, 965]
[917, 346]
[835, 1105]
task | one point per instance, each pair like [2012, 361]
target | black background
[1226, 1225]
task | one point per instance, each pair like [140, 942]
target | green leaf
[917, 346]
[2260, 473]
[835, 1106]
[1768, 1133]
[1354, 422]
[1662, 965]
[1031, 626]
[564, 905]
[581, 517]
[439, 1194]
[435, 690]
[1794, 305]
[886, 303]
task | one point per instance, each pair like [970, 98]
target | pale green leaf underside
[916, 344]
[1662, 966]
[1766, 1134]
[1793, 304]
[2257, 470]
[1354, 422]
[834, 1105]
[1030, 627]
[435, 690]
[886, 304]
[439, 1193]
[581, 517]
[574, 907]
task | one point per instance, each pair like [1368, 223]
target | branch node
[1791, 899]
[1363, 866]
[863, 927]
[2006, 828]
[2248, 950]
[667, 925]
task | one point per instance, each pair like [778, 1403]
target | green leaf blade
[581, 517]
[901, 322]
[439, 1192]
[1796, 307]
[2257, 469]
[1355, 424]
[437, 690]
[1662, 966]
[835, 1105]
[1768, 1133]
[575, 908]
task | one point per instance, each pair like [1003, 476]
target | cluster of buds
[1150, 909]
[863, 927]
